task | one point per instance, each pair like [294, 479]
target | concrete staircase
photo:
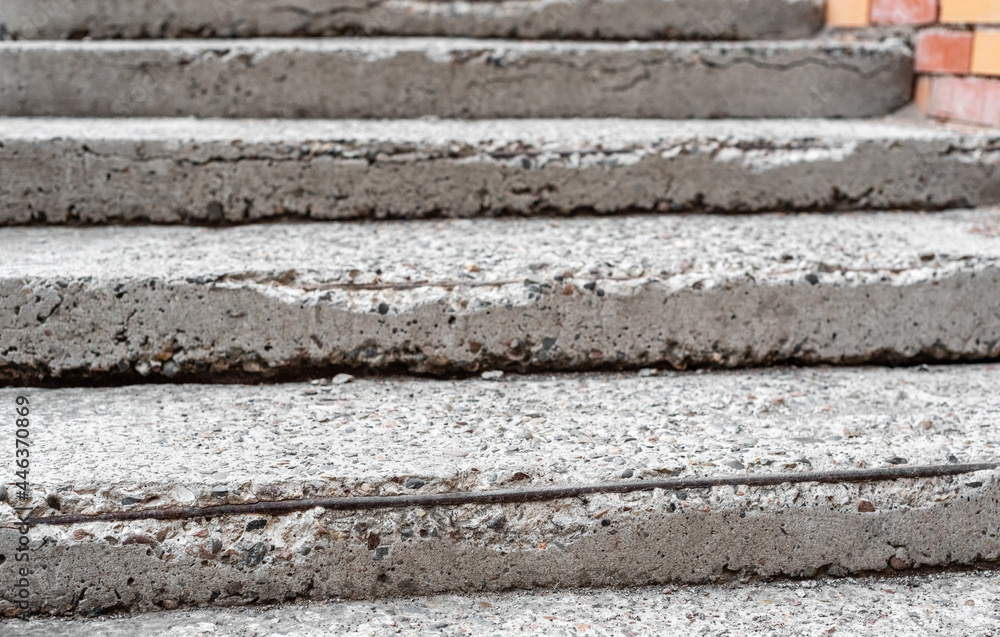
[427, 318]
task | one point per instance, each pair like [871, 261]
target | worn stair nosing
[236, 171]
[415, 77]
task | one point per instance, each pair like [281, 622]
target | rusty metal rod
[509, 496]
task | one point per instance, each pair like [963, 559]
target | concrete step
[397, 487]
[234, 171]
[463, 296]
[562, 19]
[947, 604]
[415, 77]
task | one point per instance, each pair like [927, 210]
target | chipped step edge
[224, 171]
[697, 536]
[464, 296]
[953, 603]
[560, 19]
[415, 77]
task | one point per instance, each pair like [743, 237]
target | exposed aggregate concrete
[517, 19]
[369, 436]
[97, 462]
[226, 171]
[464, 296]
[465, 78]
[955, 604]
[221, 444]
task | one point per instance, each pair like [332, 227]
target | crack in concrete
[508, 496]
[818, 61]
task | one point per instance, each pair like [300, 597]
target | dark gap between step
[293, 373]
[547, 213]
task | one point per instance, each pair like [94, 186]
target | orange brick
[970, 11]
[986, 52]
[969, 99]
[944, 51]
[848, 13]
[904, 11]
[922, 95]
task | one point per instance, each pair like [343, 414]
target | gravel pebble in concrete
[415, 77]
[204, 445]
[954, 604]
[499, 294]
[516, 19]
[236, 171]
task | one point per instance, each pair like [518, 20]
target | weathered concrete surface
[125, 448]
[528, 19]
[954, 604]
[518, 294]
[368, 436]
[414, 77]
[233, 171]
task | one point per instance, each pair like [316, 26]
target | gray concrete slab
[467, 78]
[531, 19]
[235, 171]
[104, 450]
[954, 604]
[517, 294]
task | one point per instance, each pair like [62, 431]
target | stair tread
[605, 19]
[467, 295]
[135, 448]
[186, 170]
[414, 77]
[478, 434]
[612, 134]
[677, 249]
[963, 603]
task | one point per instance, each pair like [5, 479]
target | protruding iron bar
[509, 496]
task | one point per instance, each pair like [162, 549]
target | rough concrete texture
[126, 448]
[528, 19]
[954, 604]
[516, 294]
[234, 171]
[414, 77]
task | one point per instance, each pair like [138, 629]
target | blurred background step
[415, 77]
[132, 450]
[236, 171]
[461, 296]
[532, 19]
[950, 603]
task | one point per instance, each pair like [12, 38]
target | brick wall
[958, 51]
